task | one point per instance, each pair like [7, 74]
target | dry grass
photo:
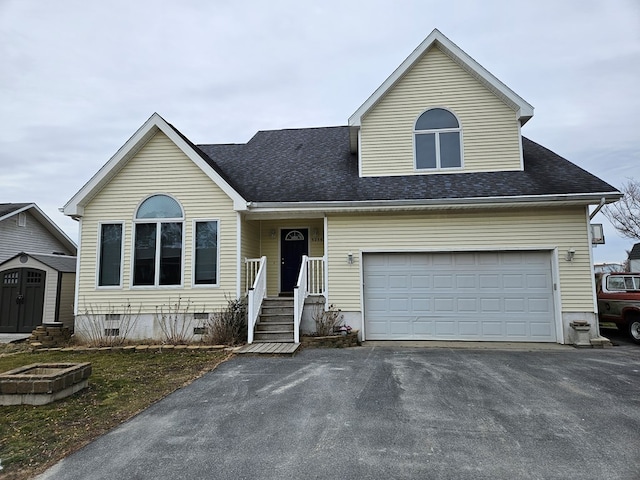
[33, 438]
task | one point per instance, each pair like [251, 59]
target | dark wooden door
[21, 299]
[294, 243]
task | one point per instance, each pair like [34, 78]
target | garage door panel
[466, 281]
[442, 281]
[537, 281]
[490, 305]
[420, 281]
[466, 328]
[467, 305]
[538, 305]
[399, 305]
[486, 281]
[469, 296]
[420, 305]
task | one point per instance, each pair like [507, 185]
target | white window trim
[437, 132]
[193, 253]
[99, 245]
[157, 221]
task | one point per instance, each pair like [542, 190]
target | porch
[277, 319]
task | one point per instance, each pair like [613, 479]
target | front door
[21, 299]
[294, 243]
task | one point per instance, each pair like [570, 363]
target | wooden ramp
[270, 348]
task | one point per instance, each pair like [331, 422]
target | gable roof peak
[154, 124]
[436, 38]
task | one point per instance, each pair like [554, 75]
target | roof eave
[459, 203]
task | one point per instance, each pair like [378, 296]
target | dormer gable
[388, 130]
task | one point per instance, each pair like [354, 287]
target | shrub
[110, 327]
[228, 326]
[327, 320]
[175, 321]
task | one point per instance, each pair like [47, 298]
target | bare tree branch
[625, 213]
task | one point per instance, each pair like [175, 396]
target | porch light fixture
[315, 236]
[350, 258]
[570, 254]
[272, 233]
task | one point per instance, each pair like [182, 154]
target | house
[427, 216]
[37, 270]
[634, 258]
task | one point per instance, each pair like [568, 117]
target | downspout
[598, 208]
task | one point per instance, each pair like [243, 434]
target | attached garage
[476, 296]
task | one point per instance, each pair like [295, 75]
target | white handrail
[299, 296]
[255, 295]
[315, 276]
[311, 281]
[251, 269]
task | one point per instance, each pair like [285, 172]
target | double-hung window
[158, 242]
[110, 255]
[437, 137]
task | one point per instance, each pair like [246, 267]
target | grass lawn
[33, 438]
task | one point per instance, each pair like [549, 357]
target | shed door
[492, 296]
[21, 299]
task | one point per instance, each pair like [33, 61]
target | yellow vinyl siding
[159, 167]
[491, 138]
[250, 247]
[271, 246]
[563, 228]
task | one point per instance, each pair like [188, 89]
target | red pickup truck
[619, 301]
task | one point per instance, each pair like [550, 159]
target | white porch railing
[252, 265]
[311, 281]
[256, 292]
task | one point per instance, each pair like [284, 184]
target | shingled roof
[316, 165]
[7, 208]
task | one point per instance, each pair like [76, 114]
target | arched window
[158, 243]
[437, 137]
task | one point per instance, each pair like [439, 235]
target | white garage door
[501, 296]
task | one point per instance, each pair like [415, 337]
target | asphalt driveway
[379, 412]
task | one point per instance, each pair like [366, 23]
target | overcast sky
[77, 78]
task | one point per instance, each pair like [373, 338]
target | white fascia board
[17, 211]
[75, 206]
[524, 110]
[459, 203]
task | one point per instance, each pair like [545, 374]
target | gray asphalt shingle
[315, 164]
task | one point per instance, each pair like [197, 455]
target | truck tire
[633, 328]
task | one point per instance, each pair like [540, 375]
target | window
[437, 137]
[206, 253]
[158, 242]
[110, 255]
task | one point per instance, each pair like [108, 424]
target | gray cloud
[79, 78]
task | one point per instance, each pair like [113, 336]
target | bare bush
[175, 321]
[228, 326]
[106, 327]
[327, 321]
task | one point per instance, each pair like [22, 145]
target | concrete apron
[13, 337]
[524, 346]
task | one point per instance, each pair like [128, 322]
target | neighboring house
[634, 258]
[427, 217]
[39, 286]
